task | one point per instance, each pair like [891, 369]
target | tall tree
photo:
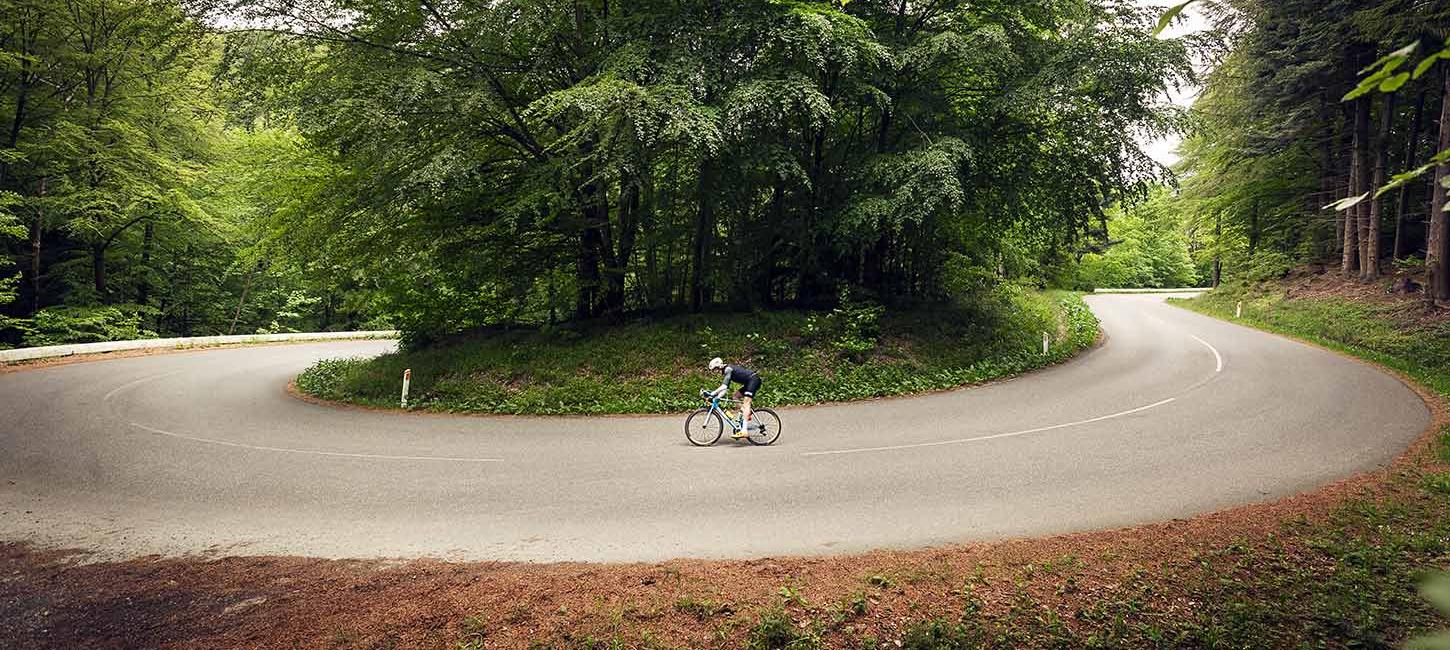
[1437, 247]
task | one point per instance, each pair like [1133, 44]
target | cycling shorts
[748, 390]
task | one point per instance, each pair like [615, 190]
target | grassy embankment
[1395, 332]
[650, 367]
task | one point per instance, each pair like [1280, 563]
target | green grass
[851, 353]
[1391, 334]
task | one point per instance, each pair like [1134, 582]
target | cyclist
[749, 384]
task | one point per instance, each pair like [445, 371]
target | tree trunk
[1341, 190]
[246, 287]
[1327, 184]
[704, 227]
[143, 288]
[329, 309]
[1402, 203]
[590, 241]
[36, 228]
[618, 262]
[1371, 260]
[26, 78]
[1436, 245]
[1254, 228]
[650, 229]
[1349, 253]
[1362, 183]
[1217, 259]
[810, 290]
[98, 270]
[587, 270]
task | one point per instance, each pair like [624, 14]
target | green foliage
[117, 157]
[1153, 252]
[701, 609]
[657, 366]
[473, 634]
[1270, 157]
[65, 325]
[1381, 74]
[697, 154]
[938, 634]
[1167, 18]
[778, 630]
[852, 329]
[1436, 589]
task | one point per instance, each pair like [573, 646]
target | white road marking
[142, 380]
[993, 436]
[285, 450]
[314, 452]
[1218, 368]
[1218, 358]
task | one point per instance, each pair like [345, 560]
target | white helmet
[717, 363]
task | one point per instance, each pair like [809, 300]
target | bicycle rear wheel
[703, 427]
[767, 427]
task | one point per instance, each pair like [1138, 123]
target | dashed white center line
[994, 436]
[1218, 368]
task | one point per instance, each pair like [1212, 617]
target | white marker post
[1239, 310]
[1045, 341]
[407, 377]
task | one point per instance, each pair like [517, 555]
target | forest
[1314, 140]
[189, 168]
[180, 169]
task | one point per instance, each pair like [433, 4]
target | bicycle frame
[715, 408]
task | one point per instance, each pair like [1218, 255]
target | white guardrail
[1184, 290]
[43, 352]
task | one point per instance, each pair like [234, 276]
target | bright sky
[1188, 22]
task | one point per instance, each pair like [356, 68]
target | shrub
[777, 630]
[66, 325]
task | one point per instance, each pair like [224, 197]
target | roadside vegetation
[1150, 250]
[1367, 321]
[856, 351]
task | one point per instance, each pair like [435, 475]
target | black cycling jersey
[748, 380]
[738, 375]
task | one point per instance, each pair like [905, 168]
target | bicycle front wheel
[703, 427]
[767, 427]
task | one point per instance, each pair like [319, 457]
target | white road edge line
[1218, 358]
[993, 436]
[285, 450]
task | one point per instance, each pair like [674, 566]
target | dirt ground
[59, 599]
[1409, 309]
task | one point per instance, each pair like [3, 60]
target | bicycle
[705, 426]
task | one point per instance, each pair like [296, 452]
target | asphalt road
[204, 452]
